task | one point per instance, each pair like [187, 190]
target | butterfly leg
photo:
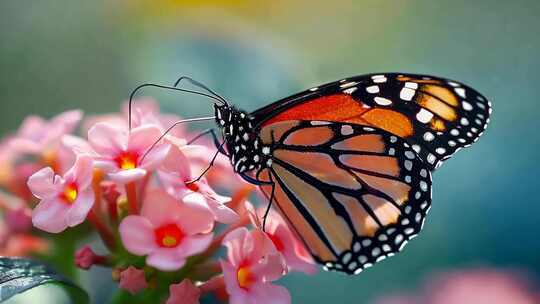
[212, 132]
[267, 211]
[209, 165]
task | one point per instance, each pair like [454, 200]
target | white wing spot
[466, 106]
[424, 116]
[348, 84]
[383, 101]
[428, 136]
[411, 85]
[350, 90]
[407, 94]
[346, 130]
[374, 89]
[460, 92]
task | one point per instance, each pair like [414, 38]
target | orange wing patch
[344, 108]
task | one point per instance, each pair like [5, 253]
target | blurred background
[58, 55]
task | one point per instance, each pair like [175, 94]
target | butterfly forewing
[436, 116]
[354, 194]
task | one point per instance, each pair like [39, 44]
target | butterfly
[348, 164]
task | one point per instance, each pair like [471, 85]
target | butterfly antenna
[172, 127]
[130, 104]
[201, 86]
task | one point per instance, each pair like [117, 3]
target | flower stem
[131, 192]
[104, 232]
[213, 284]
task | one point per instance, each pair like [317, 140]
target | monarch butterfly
[348, 164]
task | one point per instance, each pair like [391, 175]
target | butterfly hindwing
[354, 194]
[435, 116]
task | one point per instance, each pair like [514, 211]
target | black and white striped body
[245, 148]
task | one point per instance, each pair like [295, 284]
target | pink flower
[295, 254]
[38, 136]
[175, 175]
[133, 280]
[19, 220]
[65, 201]
[183, 293]
[126, 156]
[221, 174]
[168, 231]
[145, 111]
[85, 258]
[252, 264]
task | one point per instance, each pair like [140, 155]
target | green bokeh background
[57, 55]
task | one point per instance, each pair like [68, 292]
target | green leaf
[18, 275]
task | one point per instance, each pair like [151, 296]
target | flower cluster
[141, 190]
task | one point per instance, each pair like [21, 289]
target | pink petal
[105, 164]
[41, 183]
[77, 144]
[295, 254]
[160, 208]
[107, 139]
[31, 126]
[141, 138]
[178, 163]
[50, 215]
[81, 173]
[194, 244]
[230, 275]
[234, 241]
[266, 293]
[222, 213]
[174, 184]
[195, 216]
[137, 235]
[271, 267]
[165, 259]
[258, 245]
[67, 120]
[127, 176]
[80, 208]
[155, 157]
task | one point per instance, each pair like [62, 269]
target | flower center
[70, 193]
[127, 160]
[277, 241]
[192, 186]
[169, 236]
[245, 277]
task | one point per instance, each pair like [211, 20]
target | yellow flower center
[127, 160]
[169, 236]
[70, 193]
[245, 277]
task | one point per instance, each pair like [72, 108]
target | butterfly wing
[354, 194]
[435, 115]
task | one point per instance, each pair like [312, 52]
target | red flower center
[277, 241]
[70, 193]
[192, 186]
[245, 277]
[127, 160]
[169, 236]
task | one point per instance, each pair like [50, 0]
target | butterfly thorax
[243, 143]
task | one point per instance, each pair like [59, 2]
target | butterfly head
[244, 145]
